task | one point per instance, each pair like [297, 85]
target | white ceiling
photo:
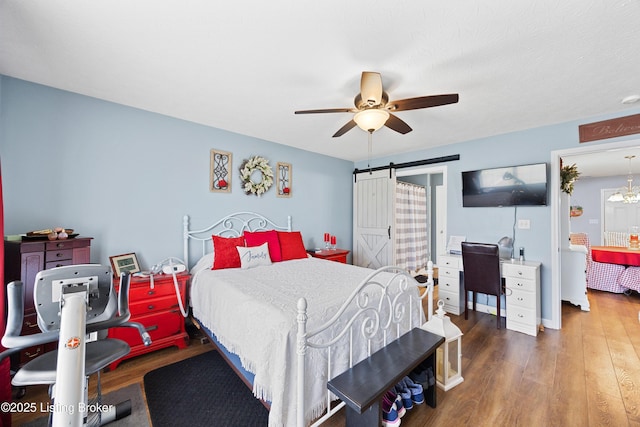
[246, 66]
[607, 162]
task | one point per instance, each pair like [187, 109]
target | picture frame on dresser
[124, 262]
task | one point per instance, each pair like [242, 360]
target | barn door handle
[389, 232]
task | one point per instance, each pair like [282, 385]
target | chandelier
[628, 194]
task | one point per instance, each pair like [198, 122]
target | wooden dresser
[23, 260]
[157, 309]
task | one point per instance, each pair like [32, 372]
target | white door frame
[556, 305]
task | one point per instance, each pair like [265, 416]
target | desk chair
[481, 267]
[71, 301]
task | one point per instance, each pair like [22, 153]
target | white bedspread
[253, 313]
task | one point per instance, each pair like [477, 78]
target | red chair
[601, 276]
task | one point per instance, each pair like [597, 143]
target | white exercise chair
[73, 303]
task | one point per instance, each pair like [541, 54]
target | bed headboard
[232, 225]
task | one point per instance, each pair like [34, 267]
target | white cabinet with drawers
[522, 291]
[449, 284]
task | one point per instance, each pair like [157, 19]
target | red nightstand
[158, 311]
[338, 255]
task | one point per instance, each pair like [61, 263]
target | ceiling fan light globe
[371, 120]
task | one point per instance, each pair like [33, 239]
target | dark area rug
[201, 391]
[138, 417]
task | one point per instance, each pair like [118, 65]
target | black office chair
[481, 267]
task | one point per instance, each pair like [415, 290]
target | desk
[522, 286]
[615, 255]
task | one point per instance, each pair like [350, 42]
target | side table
[157, 309]
[337, 255]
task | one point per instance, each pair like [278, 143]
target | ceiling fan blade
[327, 110]
[371, 88]
[422, 102]
[397, 124]
[344, 129]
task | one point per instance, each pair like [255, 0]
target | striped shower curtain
[412, 233]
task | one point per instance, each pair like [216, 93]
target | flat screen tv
[509, 186]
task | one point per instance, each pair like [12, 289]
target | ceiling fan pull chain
[369, 151]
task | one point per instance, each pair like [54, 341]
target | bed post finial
[301, 350]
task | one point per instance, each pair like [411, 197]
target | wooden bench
[363, 386]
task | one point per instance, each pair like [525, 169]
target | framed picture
[220, 172]
[124, 262]
[284, 179]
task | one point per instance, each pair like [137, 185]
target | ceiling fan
[374, 110]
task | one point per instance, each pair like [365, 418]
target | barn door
[373, 218]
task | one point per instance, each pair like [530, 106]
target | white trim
[556, 307]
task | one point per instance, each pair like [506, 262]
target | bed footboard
[385, 306]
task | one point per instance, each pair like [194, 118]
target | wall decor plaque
[220, 172]
[612, 128]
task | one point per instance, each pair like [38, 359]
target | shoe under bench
[362, 386]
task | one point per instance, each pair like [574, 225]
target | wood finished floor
[587, 374]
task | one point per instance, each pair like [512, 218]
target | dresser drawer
[30, 325]
[159, 325]
[521, 315]
[145, 292]
[57, 245]
[445, 261]
[56, 255]
[450, 285]
[521, 284]
[58, 263]
[451, 274]
[520, 298]
[153, 305]
[451, 301]
[519, 271]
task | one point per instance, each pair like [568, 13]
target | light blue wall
[586, 193]
[126, 177]
[490, 224]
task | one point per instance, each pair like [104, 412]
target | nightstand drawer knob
[151, 306]
[151, 292]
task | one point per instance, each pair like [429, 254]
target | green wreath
[248, 167]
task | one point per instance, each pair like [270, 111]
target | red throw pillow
[291, 245]
[225, 252]
[256, 238]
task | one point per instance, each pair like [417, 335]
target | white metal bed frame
[384, 305]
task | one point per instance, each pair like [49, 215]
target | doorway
[558, 212]
[435, 179]
[374, 204]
